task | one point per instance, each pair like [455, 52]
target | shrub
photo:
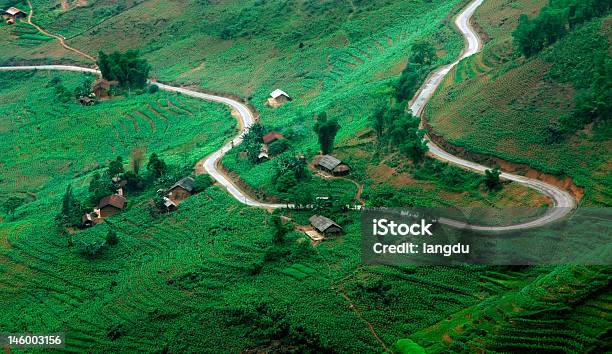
[153, 88]
[111, 238]
[202, 182]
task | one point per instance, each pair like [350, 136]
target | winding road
[563, 201]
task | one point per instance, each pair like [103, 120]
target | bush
[153, 88]
[278, 147]
[202, 182]
[92, 250]
[111, 238]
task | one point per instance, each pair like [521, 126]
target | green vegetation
[218, 274]
[540, 111]
[326, 130]
[126, 68]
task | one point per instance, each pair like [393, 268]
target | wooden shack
[330, 164]
[111, 205]
[181, 190]
[324, 225]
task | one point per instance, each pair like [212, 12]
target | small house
[15, 13]
[111, 205]
[100, 88]
[324, 225]
[181, 190]
[278, 97]
[330, 164]
[272, 137]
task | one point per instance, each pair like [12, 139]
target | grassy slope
[44, 145]
[176, 282]
[512, 102]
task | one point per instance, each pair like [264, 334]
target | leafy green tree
[71, 212]
[84, 89]
[252, 141]
[278, 147]
[115, 167]
[128, 68]
[290, 164]
[492, 180]
[111, 237]
[280, 229]
[415, 145]
[423, 52]
[378, 120]
[326, 130]
[156, 166]
[286, 182]
[202, 182]
[100, 186]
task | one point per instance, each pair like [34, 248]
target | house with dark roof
[181, 190]
[111, 205]
[330, 164]
[324, 225]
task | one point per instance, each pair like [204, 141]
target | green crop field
[212, 276]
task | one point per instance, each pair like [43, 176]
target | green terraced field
[515, 102]
[208, 278]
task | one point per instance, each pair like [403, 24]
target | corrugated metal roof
[321, 223]
[14, 11]
[329, 162]
[185, 183]
[277, 93]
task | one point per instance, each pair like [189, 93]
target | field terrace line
[564, 203]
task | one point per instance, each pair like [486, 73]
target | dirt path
[59, 37]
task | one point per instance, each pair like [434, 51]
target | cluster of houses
[115, 203]
[12, 14]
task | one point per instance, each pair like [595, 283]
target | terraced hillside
[500, 104]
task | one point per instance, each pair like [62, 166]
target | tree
[407, 84]
[156, 166]
[280, 229]
[71, 212]
[415, 145]
[326, 131]
[492, 180]
[100, 186]
[378, 120]
[11, 204]
[278, 147]
[202, 182]
[115, 167]
[127, 68]
[84, 89]
[252, 141]
[111, 237]
[423, 52]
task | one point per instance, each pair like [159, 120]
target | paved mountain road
[563, 201]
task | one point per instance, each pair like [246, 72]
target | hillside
[516, 104]
[217, 275]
